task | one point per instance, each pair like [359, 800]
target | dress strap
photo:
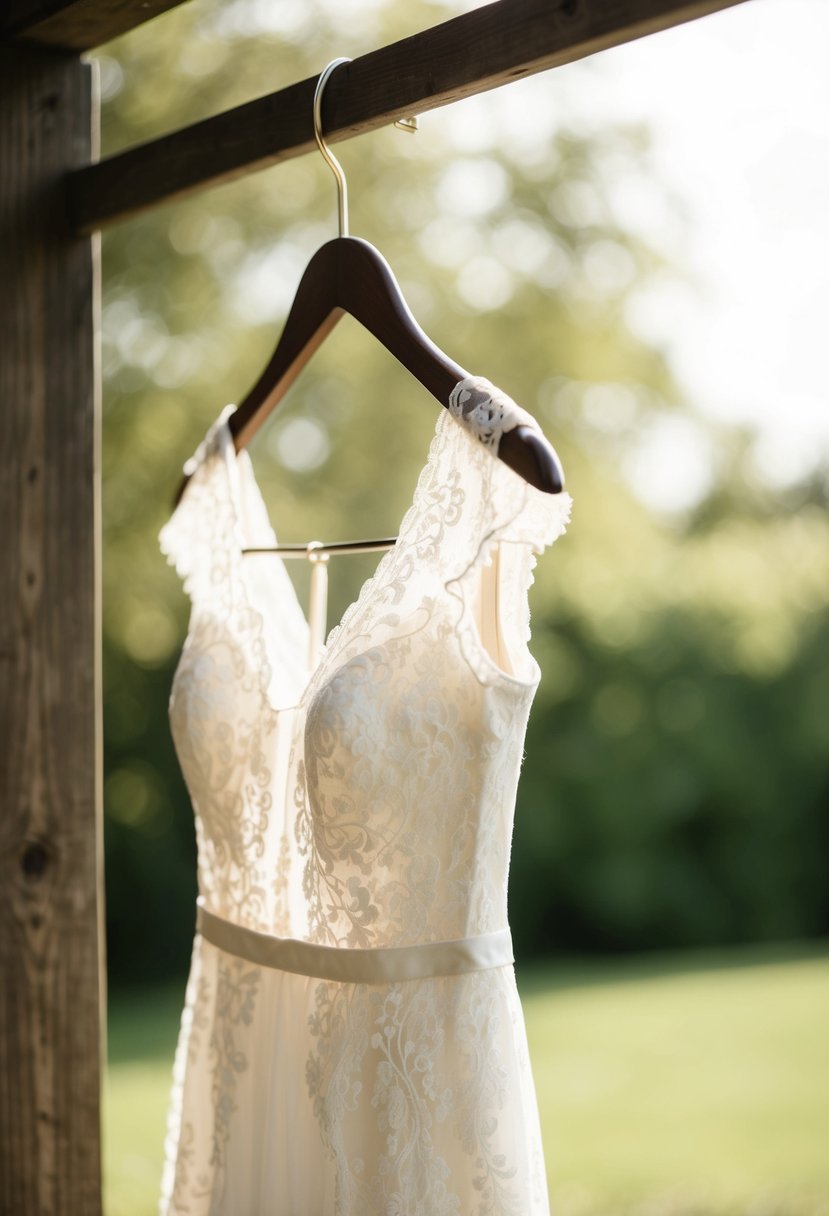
[378, 965]
[486, 411]
[199, 537]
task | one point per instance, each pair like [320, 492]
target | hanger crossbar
[470, 54]
[314, 552]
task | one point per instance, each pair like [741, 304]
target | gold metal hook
[328, 155]
[404, 124]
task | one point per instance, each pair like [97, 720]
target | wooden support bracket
[76, 25]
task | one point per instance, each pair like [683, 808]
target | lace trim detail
[536, 535]
[487, 412]
[445, 521]
[189, 535]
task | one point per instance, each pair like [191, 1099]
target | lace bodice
[368, 802]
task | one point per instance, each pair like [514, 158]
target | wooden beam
[480, 50]
[50, 681]
[76, 25]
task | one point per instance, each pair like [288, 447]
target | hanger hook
[336, 167]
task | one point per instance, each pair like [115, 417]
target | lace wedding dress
[352, 1041]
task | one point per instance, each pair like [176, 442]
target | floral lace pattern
[366, 803]
[486, 411]
[428, 1067]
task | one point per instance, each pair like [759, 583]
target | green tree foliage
[676, 777]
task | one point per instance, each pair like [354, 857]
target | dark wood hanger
[348, 275]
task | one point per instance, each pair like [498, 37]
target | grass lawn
[681, 1085]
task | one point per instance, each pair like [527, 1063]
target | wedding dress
[352, 1041]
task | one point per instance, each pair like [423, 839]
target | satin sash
[381, 965]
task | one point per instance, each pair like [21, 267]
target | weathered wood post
[50, 688]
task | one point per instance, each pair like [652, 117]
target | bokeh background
[635, 248]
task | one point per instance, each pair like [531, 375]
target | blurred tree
[675, 787]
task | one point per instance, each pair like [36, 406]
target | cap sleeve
[501, 507]
[198, 538]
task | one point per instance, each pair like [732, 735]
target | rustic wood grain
[50, 716]
[469, 54]
[76, 24]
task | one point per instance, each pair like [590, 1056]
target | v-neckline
[232, 473]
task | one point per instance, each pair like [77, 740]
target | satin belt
[384, 964]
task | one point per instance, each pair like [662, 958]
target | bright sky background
[738, 105]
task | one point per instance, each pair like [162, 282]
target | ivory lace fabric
[363, 806]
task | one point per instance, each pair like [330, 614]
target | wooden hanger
[348, 275]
